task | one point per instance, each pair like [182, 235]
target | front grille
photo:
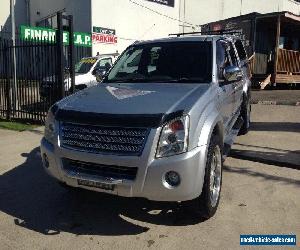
[99, 170]
[99, 139]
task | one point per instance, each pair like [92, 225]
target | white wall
[237, 7]
[292, 6]
[133, 22]
[203, 11]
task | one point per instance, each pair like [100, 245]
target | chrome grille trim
[107, 173]
[100, 139]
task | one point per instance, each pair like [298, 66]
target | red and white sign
[104, 38]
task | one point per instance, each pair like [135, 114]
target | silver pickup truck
[159, 125]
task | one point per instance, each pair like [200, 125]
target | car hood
[135, 98]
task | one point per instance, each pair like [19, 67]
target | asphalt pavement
[260, 195]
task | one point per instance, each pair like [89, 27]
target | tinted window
[164, 62]
[223, 57]
[103, 62]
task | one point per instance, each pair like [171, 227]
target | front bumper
[149, 182]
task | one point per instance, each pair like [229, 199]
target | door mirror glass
[94, 71]
[99, 74]
[232, 74]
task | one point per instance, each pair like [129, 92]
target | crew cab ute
[160, 124]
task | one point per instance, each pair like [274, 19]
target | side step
[231, 137]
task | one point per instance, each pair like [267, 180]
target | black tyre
[245, 114]
[207, 203]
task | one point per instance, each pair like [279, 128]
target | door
[226, 89]
[238, 85]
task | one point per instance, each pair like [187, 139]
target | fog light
[46, 161]
[172, 178]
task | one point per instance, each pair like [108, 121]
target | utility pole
[14, 70]
[60, 56]
[71, 53]
[183, 24]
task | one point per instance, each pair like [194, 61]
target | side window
[133, 62]
[103, 62]
[223, 57]
[241, 50]
[233, 55]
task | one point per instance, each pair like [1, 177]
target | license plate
[96, 184]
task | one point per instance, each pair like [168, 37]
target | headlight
[173, 138]
[50, 127]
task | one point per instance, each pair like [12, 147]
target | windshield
[164, 62]
[84, 65]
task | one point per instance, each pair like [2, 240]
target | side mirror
[232, 74]
[94, 72]
[99, 74]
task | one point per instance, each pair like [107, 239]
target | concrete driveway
[261, 186]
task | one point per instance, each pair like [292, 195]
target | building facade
[115, 24]
[201, 12]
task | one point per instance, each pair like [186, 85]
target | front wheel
[206, 204]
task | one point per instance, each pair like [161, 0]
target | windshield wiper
[129, 80]
[157, 80]
[183, 80]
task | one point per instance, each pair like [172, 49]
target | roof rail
[211, 32]
[109, 54]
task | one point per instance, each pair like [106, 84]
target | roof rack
[211, 32]
[109, 54]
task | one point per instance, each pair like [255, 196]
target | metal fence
[29, 89]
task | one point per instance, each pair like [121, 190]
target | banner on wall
[104, 35]
[164, 2]
[42, 34]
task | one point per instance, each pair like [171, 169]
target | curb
[289, 103]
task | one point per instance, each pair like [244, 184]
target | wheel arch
[212, 126]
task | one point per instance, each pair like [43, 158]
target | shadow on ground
[267, 177]
[281, 158]
[40, 204]
[275, 126]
